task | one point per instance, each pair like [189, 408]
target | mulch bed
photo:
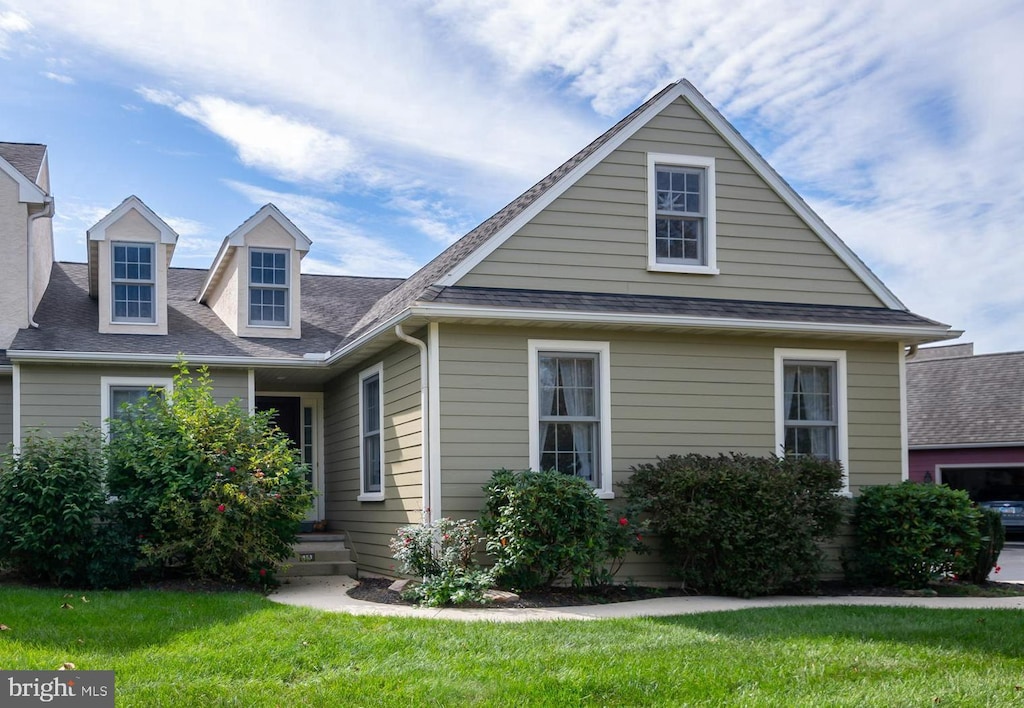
[376, 590]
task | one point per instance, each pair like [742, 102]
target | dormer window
[133, 283]
[268, 288]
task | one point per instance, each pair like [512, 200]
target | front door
[299, 417]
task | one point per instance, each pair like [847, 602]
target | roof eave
[308, 361]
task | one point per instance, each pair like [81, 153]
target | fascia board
[28, 191]
[21, 355]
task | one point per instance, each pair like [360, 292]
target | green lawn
[181, 649]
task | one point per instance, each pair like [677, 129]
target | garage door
[986, 483]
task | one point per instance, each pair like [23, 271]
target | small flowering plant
[441, 552]
[624, 534]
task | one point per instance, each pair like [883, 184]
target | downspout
[424, 417]
[46, 211]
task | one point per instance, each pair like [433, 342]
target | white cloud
[11, 24]
[341, 246]
[59, 78]
[289, 149]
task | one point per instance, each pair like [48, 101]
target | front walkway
[330, 594]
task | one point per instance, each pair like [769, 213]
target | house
[965, 417]
[662, 291]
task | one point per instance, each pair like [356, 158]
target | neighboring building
[966, 420]
[664, 291]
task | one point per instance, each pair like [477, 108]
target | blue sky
[387, 130]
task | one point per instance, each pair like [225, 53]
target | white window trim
[710, 228]
[108, 382]
[603, 351]
[376, 370]
[287, 287]
[838, 357]
[152, 282]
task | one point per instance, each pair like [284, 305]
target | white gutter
[117, 357]
[631, 318]
[47, 211]
[424, 419]
[957, 446]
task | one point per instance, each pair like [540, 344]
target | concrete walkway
[330, 594]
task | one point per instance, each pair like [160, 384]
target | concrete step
[320, 568]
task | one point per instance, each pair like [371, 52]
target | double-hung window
[810, 392]
[120, 394]
[132, 282]
[268, 288]
[681, 213]
[570, 410]
[371, 439]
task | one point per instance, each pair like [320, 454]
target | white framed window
[570, 410]
[681, 227]
[133, 284]
[371, 434]
[268, 288]
[119, 391]
[811, 405]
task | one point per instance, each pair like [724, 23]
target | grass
[221, 649]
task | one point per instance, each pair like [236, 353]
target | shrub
[992, 537]
[441, 553]
[740, 525]
[52, 498]
[545, 527]
[207, 489]
[909, 534]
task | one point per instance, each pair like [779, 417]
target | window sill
[133, 323]
[371, 497]
[604, 494]
[679, 268]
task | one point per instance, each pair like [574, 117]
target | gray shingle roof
[680, 306]
[69, 319]
[26, 158]
[414, 288]
[967, 400]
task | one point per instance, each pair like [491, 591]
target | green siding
[370, 525]
[57, 398]
[670, 394]
[593, 238]
[6, 411]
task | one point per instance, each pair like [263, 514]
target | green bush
[992, 537]
[740, 525]
[545, 527]
[441, 553]
[52, 498]
[208, 490]
[909, 534]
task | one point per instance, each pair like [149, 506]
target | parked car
[1012, 513]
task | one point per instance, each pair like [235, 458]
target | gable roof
[459, 258]
[23, 162]
[237, 238]
[966, 400]
[69, 320]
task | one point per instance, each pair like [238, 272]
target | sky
[386, 130]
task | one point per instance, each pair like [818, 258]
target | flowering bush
[442, 554]
[206, 489]
[993, 536]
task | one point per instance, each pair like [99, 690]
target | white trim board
[684, 89]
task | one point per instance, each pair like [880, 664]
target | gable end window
[570, 410]
[371, 434]
[810, 404]
[132, 283]
[681, 214]
[268, 288]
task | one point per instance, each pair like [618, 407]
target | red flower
[231, 469]
[998, 568]
[263, 572]
[221, 508]
[639, 537]
[623, 521]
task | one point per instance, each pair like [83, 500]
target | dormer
[253, 285]
[129, 252]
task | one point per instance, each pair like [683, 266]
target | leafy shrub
[441, 553]
[740, 525]
[546, 527]
[992, 537]
[52, 497]
[207, 489]
[909, 534]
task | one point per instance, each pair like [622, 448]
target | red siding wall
[922, 461]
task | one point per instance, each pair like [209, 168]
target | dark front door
[288, 415]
